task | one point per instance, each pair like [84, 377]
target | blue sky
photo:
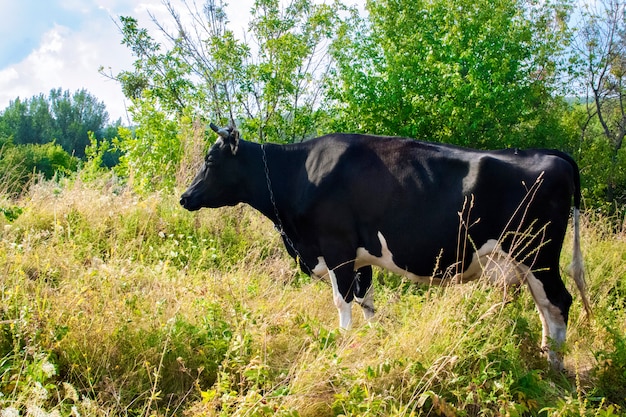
[46, 44]
[28, 21]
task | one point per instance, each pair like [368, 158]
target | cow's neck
[270, 181]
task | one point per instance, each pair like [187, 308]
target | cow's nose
[183, 201]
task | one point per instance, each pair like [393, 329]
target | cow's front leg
[363, 291]
[342, 296]
[342, 281]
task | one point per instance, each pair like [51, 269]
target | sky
[49, 44]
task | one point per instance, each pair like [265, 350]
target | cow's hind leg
[363, 291]
[553, 302]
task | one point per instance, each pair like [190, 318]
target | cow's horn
[223, 132]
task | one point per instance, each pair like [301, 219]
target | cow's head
[217, 183]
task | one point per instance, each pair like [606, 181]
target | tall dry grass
[116, 305]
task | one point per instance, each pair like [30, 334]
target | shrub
[20, 164]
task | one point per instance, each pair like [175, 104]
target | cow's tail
[576, 269]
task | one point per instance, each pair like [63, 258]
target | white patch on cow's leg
[367, 303]
[344, 308]
[554, 327]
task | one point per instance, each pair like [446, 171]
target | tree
[269, 81]
[600, 62]
[75, 116]
[282, 89]
[61, 117]
[472, 72]
[152, 150]
[164, 74]
[16, 122]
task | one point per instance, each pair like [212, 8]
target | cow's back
[423, 196]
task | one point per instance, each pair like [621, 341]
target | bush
[19, 164]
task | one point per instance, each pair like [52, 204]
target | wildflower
[39, 392]
[10, 412]
[70, 392]
[48, 369]
[35, 411]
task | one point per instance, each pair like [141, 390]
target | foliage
[61, 117]
[210, 72]
[481, 74]
[599, 64]
[162, 74]
[603, 169]
[598, 161]
[611, 370]
[474, 73]
[11, 212]
[150, 151]
[99, 156]
[206, 73]
[19, 165]
[281, 90]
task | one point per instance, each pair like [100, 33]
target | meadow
[114, 304]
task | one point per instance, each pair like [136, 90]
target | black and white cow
[430, 212]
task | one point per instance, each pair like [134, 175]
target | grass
[115, 305]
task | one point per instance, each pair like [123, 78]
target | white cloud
[8, 75]
[63, 43]
[49, 60]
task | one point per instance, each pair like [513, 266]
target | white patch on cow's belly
[363, 258]
[489, 260]
[493, 263]
[320, 270]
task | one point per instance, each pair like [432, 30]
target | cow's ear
[233, 140]
[229, 135]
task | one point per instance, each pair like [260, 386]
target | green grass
[114, 305]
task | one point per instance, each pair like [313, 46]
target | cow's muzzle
[186, 202]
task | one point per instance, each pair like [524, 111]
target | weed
[11, 212]
[610, 373]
